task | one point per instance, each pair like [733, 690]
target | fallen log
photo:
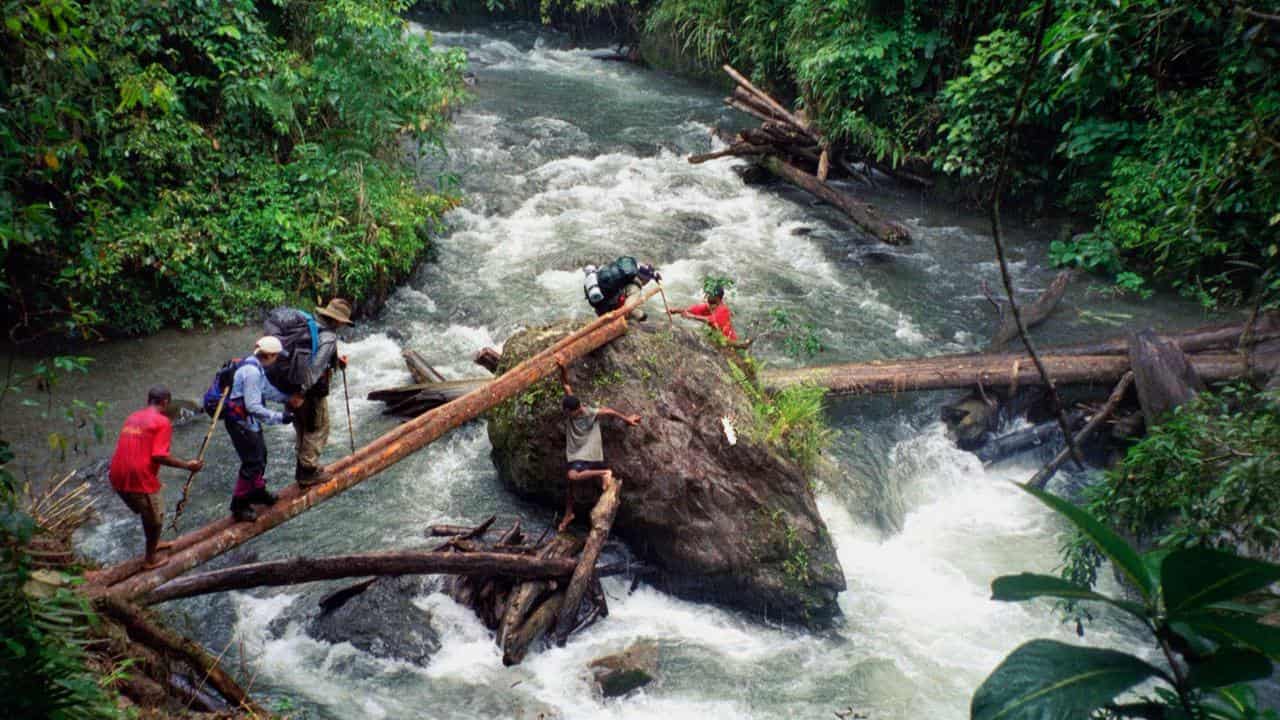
[964, 371]
[862, 214]
[420, 369]
[385, 451]
[1041, 478]
[736, 150]
[1164, 377]
[1032, 314]
[1002, 447]
[142, 630]
[1226, 336]
[295, 571]
[583, 575]
[769, 102]
[513, 634]
[449, 389]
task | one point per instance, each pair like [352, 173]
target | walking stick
[671, 324]
[186, 487]
[351, 433]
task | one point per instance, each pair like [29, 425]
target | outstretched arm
[564, 375]
[610, 412]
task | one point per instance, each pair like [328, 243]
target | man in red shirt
[135, 467]
[712, 312]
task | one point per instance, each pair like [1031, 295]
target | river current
[565, 159]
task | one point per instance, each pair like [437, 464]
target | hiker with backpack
[610, 286]
[135, 468]
[311, 341]
[245, 414]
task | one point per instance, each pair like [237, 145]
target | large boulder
[733, 523]
[631, 669]
[379, 618]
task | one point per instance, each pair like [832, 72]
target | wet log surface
[1041, 478]
[584, 575]
[1033, 314]
[404, 562]
[1163, 374]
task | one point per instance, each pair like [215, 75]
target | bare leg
[574, 476]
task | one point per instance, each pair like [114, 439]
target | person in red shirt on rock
[712, 312]
[135, 467]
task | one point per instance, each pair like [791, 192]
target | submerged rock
[633, 668]
[733, 523]
[381, 619]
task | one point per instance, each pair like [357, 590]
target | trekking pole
[186, 487]
[671, 324]
[351, 433]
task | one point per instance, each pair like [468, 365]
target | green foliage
[792, 419]
[187, 162]
[1203, 477]
[1188, 601]
[800, 342]
[716, 284]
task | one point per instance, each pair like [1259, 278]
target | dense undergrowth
[186, 162]
[1157, 121]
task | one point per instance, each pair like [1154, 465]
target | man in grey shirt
[583, 447]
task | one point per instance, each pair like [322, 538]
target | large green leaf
[1049, 680]
[1025, 586]
[1121, 554]
[1238, 631]
[1228, 667]
[1195, 577]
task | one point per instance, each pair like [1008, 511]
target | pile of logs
[522, 611]
[788, 146]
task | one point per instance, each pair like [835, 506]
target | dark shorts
[146, 505]
[580, 465]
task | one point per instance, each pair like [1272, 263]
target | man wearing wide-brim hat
[311, 419]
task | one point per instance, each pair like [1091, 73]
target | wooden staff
[186, 487]
[671, 324]
[351, 433]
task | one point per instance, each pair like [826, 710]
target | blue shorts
[580, 465]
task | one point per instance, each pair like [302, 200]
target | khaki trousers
[311, 423]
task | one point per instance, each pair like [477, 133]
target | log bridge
[129, 580]
[1212, 351]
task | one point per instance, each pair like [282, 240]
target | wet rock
[381, 620]
[633, 668]
[752, 174]
[730, 523]
[971, 420]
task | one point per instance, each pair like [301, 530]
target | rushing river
[566, 159]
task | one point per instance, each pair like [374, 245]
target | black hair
[158, 394]
[570, 403]
[718, 293]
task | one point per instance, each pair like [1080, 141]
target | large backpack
[299, 333]
[222, 380]
[613, 279]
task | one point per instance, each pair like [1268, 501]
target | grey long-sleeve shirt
[251, 385]
[321, 362]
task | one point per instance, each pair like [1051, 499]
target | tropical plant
[1188, 600]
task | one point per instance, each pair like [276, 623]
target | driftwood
[584, 575]
[1032, 314]
[420, 369]
[865, 216]
[1164, 377]
[1042, 477]
[413, 400]
[517, 628]
[789, 147]
[487, 358]
[403, 562]
[1010, 443]
[375, 457]
[143, 630]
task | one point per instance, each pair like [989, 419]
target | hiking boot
[260, 496]
[639, 315]
[308, 476]
[241, 511]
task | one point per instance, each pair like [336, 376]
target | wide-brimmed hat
[338, 310]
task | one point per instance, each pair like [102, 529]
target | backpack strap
[314, 327]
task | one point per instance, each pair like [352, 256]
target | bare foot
[564, 524]
[164, 545]
[154, 563]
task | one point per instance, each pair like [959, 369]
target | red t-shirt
[720, 318]
[144, 437]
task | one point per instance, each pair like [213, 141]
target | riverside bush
[187, 162]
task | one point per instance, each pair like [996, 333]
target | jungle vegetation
[187, 162]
